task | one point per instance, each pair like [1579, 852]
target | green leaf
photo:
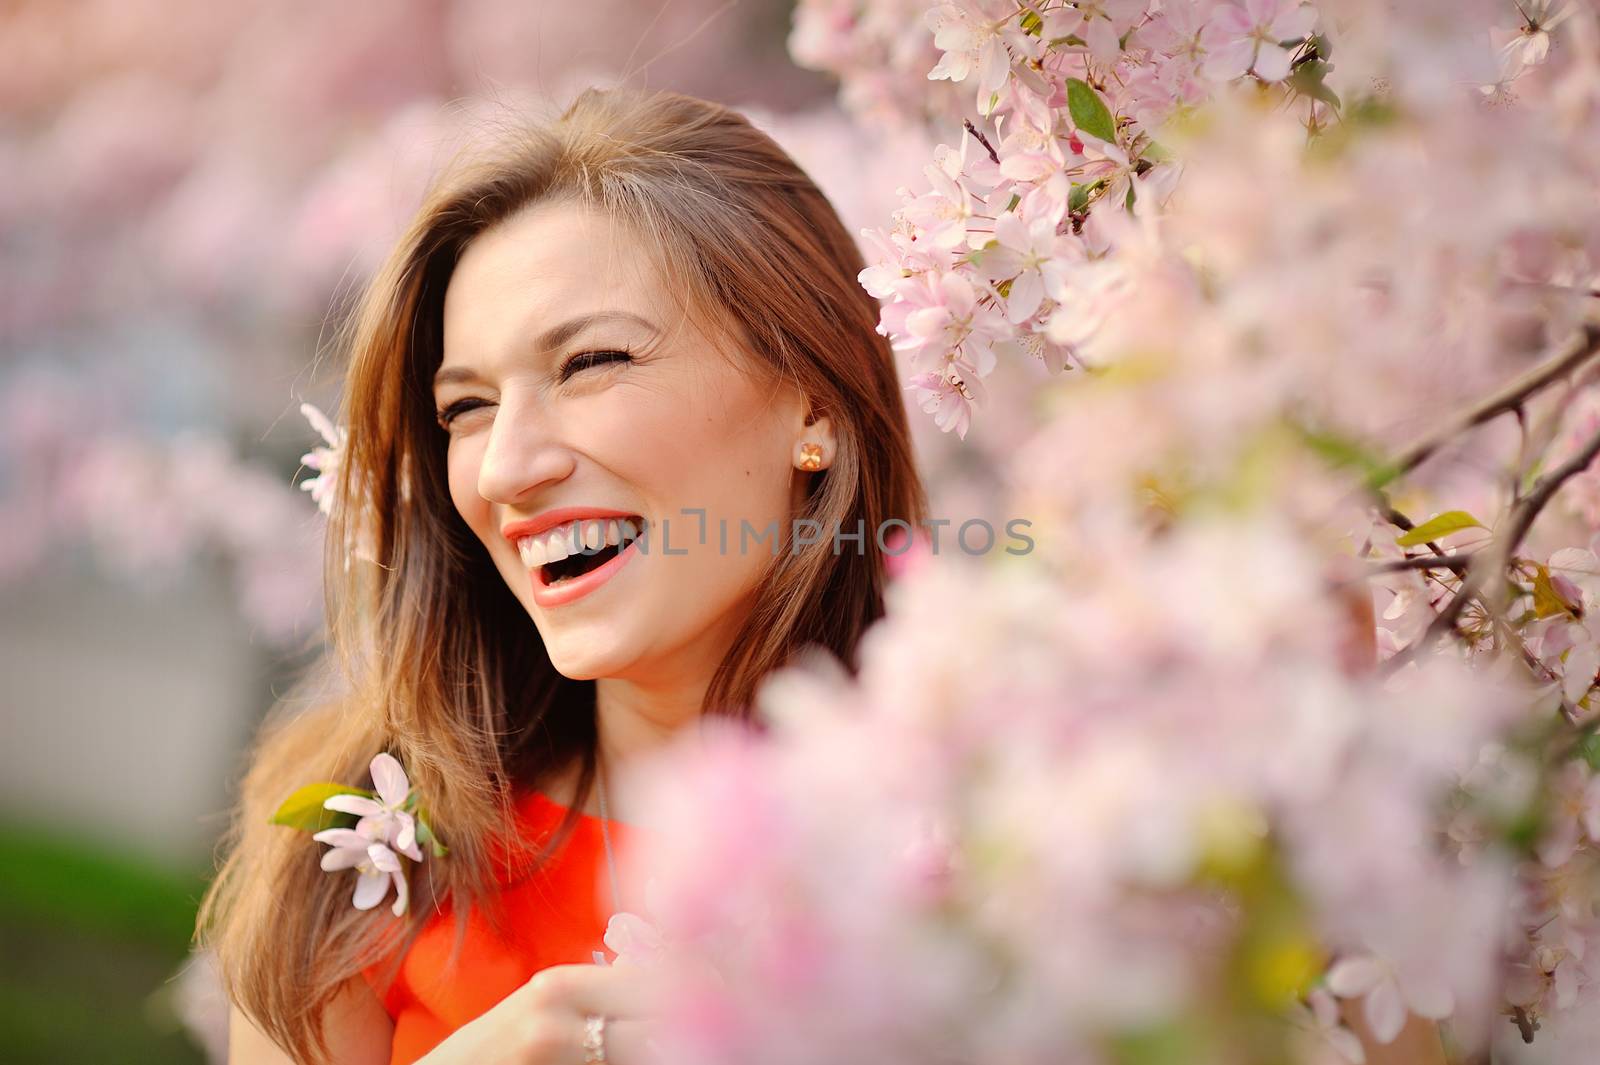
[304, 808]
[1531, 478]
[1308, 80]
[1032, 23]
[425, 836]
[1341, 452]
[1373, 111]
[1089, 112]
[1078, 200]
[1174, 1041]
[1547, 602]
[1589, 750]
[1524, 830]
[1437, 528]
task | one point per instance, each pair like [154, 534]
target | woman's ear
[814, 442]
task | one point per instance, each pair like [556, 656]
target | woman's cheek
[462, 465]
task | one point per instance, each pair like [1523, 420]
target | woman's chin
[582, 662]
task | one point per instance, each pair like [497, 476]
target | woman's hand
[542, 1022]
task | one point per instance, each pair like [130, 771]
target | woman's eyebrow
[550, 339]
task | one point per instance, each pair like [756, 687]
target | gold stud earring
[811, 457]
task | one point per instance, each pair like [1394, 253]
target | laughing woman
[591, 353]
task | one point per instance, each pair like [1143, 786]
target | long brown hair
[437, 661]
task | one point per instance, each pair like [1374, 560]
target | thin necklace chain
[605, 834]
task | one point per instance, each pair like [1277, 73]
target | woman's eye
[579, 362]
[591, 358]
[456, 409]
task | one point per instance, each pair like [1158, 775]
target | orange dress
[555, 916]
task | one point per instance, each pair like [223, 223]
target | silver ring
[594, 1039]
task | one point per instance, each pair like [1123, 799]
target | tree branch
[1507, 399]
[1495, 558]
[1450, 562]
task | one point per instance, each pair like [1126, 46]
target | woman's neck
[629, 727]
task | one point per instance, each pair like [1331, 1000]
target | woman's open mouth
[576, 558]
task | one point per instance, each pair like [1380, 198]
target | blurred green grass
[90, 938]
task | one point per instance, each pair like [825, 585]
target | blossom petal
[401, 893]
[1026, 293]
[359, 805]
[406, 838]
[390, 780]
[1272, 62]
[1101, 39]
[1348, 1045]
[342, 837]
[1294, 24]
[1258, 12]
[927, 322]
[953, 65]
[321, 423]
[383, 858]
[1226, 22]
[1431, 999]
[1579, 670]
[1385, 1011]
[1230, 61]
[371, 889]
[343, 858]
[1350, 977]
[994, 64]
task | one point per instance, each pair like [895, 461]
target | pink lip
[549, 519]
[578, 587]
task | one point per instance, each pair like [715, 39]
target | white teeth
[533, 552]
[587, 534]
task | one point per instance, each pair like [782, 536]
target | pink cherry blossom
[1527, 43]
[949, 395]
[377, 864]
[1036, 260]
[1319, 1016]
[944, 211]
[326, 460]
[1574, 816]
[1249, 36]
[943, 315]
[1103, 22]
[1387, 996]
[383, 819]
[969, 34]
[634, 940]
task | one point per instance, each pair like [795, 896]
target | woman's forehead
[548, 266]
[554, 253]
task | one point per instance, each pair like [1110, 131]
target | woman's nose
[522, 454]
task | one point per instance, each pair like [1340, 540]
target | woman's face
[572, 378]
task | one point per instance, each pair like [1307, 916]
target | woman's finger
[586, 989]
[626, 1042]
